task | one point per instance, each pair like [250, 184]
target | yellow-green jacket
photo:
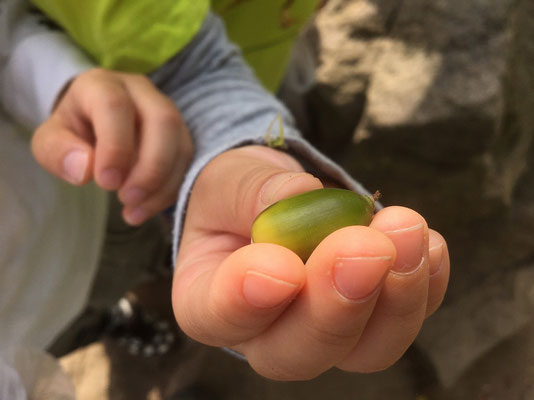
[139, 36]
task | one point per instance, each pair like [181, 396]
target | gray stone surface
[466, 330]
[431, 103]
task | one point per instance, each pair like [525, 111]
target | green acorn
[301, 222]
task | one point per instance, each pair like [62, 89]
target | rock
[431, 103]
[344, 40]
[439, 60]
[89, 369]
[104, 370]
[496, 309]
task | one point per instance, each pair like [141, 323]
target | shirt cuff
[39, 68]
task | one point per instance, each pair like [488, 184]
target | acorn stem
[377, 195]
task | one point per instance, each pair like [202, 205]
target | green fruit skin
[301, 222]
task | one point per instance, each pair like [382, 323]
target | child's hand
[121, 131]
[357, 304]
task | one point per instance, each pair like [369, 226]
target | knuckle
[98, 71]
[330, 338]
[369, 367]
[224, 317]
[157, 203]
[116, 153]
[103, 88]
[90, 76]
[154, 173]
[231, 330]
[192, 327]
[137, 78]
[407, 311]
[283, 370]
[113, 100]
[169, 117]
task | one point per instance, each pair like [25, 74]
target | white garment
[28, 89]
[50, 233]
[50, 239]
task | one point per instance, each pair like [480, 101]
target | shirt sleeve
[36, 62]
[225, 107]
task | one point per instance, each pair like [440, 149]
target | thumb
[237, 185]
[62, 153]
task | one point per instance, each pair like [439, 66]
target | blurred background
[432, 103]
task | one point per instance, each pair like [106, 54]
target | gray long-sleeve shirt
[225, 107]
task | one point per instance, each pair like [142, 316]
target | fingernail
[265, 291]
[356, 278]
[274, 184]
[136, 216]
[435, 258]
[410, 244]
[134, 196]
[110, 178]
[74, 166]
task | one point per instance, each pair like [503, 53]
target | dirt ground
[105, 370]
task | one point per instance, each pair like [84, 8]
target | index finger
[111, 113]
